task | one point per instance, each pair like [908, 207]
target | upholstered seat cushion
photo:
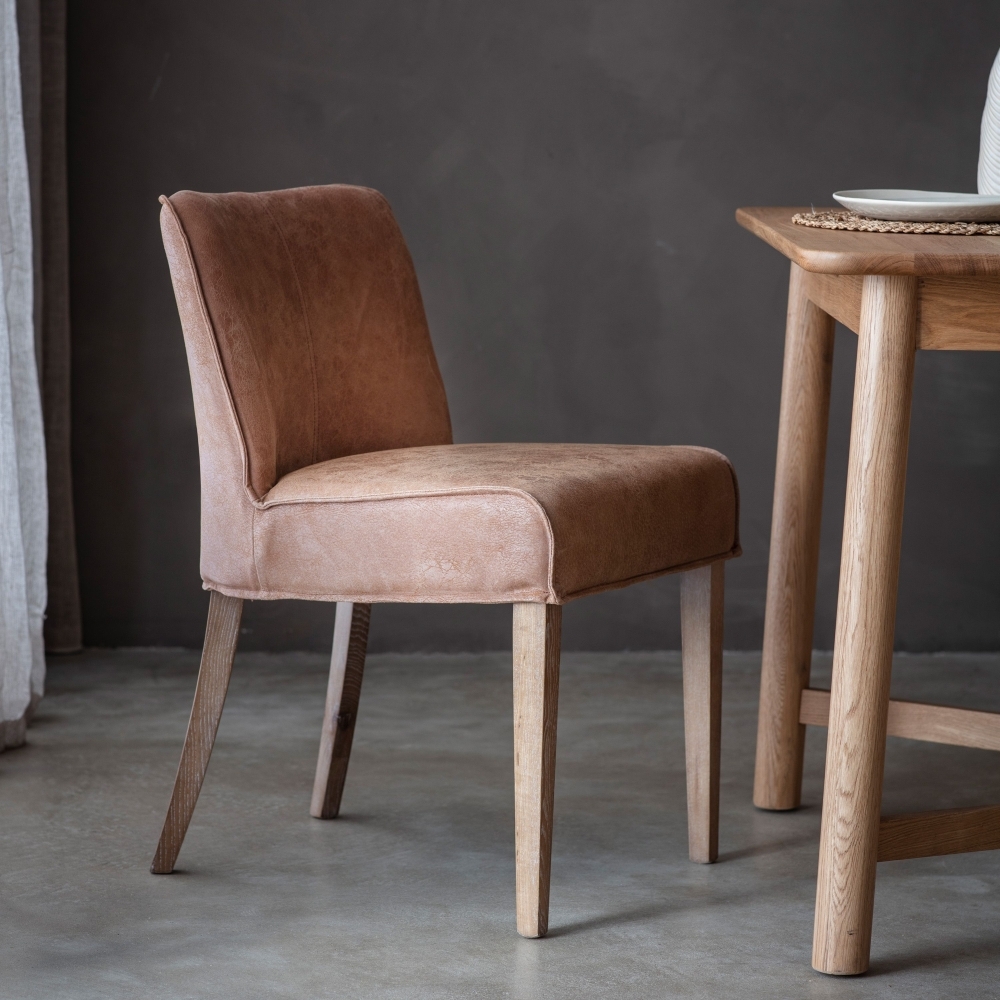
[491, 523]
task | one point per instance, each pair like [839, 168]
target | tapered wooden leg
[795, 528]
[347, 665]
[221, 633]
[702, 594]
[866, 612]
[537, 631]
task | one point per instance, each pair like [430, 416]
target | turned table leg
[795, 526]
[866, 611]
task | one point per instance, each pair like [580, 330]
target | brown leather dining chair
[328, 473]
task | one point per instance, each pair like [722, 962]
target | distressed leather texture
[328, 471]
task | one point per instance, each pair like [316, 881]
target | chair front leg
[537, 631]
[702, 593]
[347, 665]
[221, 634]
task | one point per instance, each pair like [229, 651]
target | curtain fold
[23, 494]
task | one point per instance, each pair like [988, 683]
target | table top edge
[916, 254]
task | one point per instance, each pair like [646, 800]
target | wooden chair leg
[866, 619]
[702, 593]
[221, 634]
[537, 631]
[795, 529]
[347, 665]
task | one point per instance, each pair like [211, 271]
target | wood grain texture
[946, 831]
[958, 314]
[343, 693]
[221, 634]
[537, 632]
[953, 313]
[837, 294]
[794, 556]
[839, 251]
[866, 611]
[914, 720]
[702, 606]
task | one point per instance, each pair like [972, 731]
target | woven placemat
[831, 219]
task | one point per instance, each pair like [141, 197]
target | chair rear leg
[221, 633]
[537, 631]
[702, 593]
[347, 665]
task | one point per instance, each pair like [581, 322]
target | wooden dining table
[899, 293]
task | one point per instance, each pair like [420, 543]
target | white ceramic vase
[989, 137]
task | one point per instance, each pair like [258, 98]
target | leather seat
[494, 523]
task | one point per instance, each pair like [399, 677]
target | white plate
[921, 206]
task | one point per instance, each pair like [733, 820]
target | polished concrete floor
[410, 893]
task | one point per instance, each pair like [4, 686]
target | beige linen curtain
[36, 517]
[62, 619]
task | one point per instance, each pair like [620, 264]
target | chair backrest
[303, 318]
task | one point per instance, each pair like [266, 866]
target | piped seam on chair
[233, 415]
[374, 597]
[736, 498]
[421, 494]
[462, 597]
[203, 307]
[410, 495]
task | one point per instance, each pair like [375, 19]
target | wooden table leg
[866, 612]
[795, 525]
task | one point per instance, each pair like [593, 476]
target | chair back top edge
[314, 307]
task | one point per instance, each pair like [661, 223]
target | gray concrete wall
[566, 176]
